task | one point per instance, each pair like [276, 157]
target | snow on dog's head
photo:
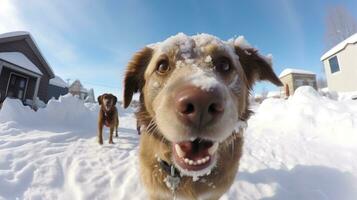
[195, 88]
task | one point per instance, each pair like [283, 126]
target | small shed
[57, 87]
[77, 89]
[340, 65]
[274, 94]
[294, 78]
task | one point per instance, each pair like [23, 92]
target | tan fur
[156, 115]
[108, 117]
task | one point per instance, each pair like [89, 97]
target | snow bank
[67, 112]
[312, 115]
[301, 148]
[343, 96]
[340, 96]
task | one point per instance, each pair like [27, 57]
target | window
[299, 82]
[17, 86]
[334, 66]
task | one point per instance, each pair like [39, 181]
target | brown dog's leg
[100, 134]
[116, 127]
[111, 135]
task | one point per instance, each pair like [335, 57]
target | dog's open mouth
[194, 155]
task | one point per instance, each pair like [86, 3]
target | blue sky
[93, 40]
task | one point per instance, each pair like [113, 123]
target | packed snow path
[301, 148]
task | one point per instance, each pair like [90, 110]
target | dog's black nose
[197, 107]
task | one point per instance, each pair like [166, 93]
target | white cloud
[15, 15]
[57, 26]
[9, 17]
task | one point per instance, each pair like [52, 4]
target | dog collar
[169, 169]
[173, 178]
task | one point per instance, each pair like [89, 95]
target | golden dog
[194, 96]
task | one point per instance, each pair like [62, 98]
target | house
[24, 72]
[259, 98]
[274, 94]
[77, 89]
[294, 78]
[90, 98]
[340, 64]
[57, 87]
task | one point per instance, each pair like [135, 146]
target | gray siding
[56, 92]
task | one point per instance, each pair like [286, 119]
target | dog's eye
[163, 67]
[223, 65]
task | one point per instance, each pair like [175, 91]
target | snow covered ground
[301, 148]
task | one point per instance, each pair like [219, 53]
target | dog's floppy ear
[255, 67]
[134, 75]
[115, 100]
[100, 99]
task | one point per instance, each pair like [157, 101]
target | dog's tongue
[196, 149]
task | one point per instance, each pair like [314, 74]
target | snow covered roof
[23, 35]
[351, 40]
[273, 94]
[58, 81]
[294, 71]
[14, 34]
[258, 95]
[21, 60]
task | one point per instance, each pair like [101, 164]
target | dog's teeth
[186, 160]
[199, 162]
[190, 162]
[213, 149]
[206, 158]
[179, 151]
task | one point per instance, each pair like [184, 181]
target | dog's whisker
[148, 127]
[152, 127]
[233, 141]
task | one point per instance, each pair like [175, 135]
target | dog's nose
[197, 107]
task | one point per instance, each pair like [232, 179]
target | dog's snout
[197, 107]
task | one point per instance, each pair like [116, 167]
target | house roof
[21, 60]
[273, 94]
[76, 83]
[340, 46]
[294, 71]
[23, 35]
[58, 81]
[258, 95]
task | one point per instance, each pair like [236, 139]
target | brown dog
[108, 116]
[194, 100]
